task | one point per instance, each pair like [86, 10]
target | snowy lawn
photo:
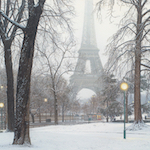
[93, 136]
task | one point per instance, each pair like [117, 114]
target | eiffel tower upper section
[88, 36]
[88, 52]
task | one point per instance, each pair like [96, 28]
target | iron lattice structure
[88, 52]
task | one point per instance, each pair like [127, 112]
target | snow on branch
[145, 34]
[148, 11]
[128, 2]
[145, 66]
[13, 22]
[144, 3]
[145, 48]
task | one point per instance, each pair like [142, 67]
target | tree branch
[145, 66]
[20, 13]
[13, 22]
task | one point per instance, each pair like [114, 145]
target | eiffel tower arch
[88, 71]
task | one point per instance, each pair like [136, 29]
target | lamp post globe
[124, 86]
[45, 99]
[1, 105]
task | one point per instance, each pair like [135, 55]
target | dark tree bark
[10, 86]
[107, 112]
[55, 108]
[63, 112]
[137, 96]
[24, 74]
[39, 114]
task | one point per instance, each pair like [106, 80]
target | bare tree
[25, 65]
[40, 97]
[129, 48]
[55, 50]
[13, 10]
[57, 65]
[24, 73]
[63, 97]
[85, 108]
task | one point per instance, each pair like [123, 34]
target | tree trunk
[107, 112]
[137, 96]
[10, 86]
[21, 133]
[32, 116]
[55, 109]
[22, 96]
[39, 114]
[63, 112]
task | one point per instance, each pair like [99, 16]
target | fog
[105, 27]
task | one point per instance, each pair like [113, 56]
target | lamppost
[1, 106]
[124, 87]
[45, 100]
[93, 102]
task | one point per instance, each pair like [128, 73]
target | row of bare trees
[42, 100]
[41, 97]
[20, 23]
[55, 63]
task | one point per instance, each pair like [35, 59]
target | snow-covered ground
[93, 136]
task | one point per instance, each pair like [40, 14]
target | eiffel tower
[88, 71]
